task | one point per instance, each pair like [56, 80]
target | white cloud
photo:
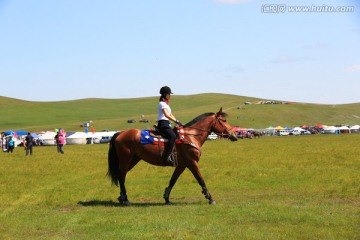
[316, 46]
[235, 69]
[232, 1]
[289, 59]
[353, 68]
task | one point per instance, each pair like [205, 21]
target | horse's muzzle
[232, 137]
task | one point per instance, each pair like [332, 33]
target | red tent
[238, 129]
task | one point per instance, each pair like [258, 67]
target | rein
[208, 131]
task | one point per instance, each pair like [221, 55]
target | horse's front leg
[178, 171]
[208, 195]
[194, 168]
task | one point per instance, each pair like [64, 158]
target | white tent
[77, 138]
[103, 134]
[330, 129]
[355, 129]
[298, 129]
[87, 138]
[344, 129]
[47, 138]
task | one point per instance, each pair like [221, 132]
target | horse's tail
[113, 161]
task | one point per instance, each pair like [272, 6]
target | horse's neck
[201, 130]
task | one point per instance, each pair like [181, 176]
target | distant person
[23, 142]
[57, 141]
[61, 142]
[3, 144]
[29, 144]
[11, 145]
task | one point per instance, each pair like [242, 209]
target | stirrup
[169, 160]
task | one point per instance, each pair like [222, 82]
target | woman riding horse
[126, 151]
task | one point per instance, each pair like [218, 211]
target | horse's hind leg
[178, 171]
[124, 168]
[123, 197]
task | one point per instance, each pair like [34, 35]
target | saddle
[178, 130]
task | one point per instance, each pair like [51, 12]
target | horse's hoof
[168, 203]
[212, 202]
[125, 203]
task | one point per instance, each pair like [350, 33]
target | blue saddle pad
[145, 137]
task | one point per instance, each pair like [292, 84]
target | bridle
[221, 121]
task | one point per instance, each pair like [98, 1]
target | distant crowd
[8, 143]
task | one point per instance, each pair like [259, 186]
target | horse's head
[222, 126]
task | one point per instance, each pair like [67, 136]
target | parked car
[105, 139]
[212, 136]
[283, 132]
[295, 132]
[144, 121]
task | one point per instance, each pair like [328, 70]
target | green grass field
[305, 187]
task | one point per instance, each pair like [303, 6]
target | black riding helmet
[165, 90]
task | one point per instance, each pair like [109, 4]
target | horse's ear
[220, 111]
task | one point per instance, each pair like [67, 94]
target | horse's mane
[202, 116]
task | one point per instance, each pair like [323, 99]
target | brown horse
[126, 151]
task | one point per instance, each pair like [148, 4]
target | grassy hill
[113, 114]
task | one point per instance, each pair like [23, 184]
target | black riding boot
[166, 157]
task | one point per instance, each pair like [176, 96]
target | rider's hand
[179, 123]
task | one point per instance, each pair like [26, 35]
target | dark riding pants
[168, 133]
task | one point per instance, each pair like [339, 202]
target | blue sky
[73, 49]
